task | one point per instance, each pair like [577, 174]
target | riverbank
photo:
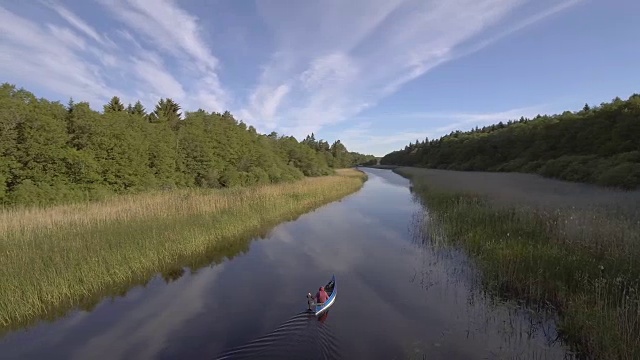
[54, 258]
[569, 247]
[386, 167]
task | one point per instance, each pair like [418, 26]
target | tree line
[51, 153]
[599, 145]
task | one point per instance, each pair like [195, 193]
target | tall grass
[53, 259]
[576, 254]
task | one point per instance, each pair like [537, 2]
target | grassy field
[54, 259]
[571, 247]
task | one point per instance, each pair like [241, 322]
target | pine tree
[114, 105]
[167, 111]
[138, 109]
[70, 105]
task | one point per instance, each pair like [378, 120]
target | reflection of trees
[172, 274]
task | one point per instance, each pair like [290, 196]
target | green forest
[599, 145]
[53, 153]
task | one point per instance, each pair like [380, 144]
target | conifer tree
[138, 109]
[114, 105]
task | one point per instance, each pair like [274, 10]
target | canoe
[332, 291]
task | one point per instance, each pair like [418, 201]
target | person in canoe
[310, 301]
[321, 296]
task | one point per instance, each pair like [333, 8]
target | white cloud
[66, 36]
[51, 56]
[169, 28]
[77, 22]
[329, 72]
[72, 59]
[563, 5]
[263, 105]
[126, 35]
[432, 125]
[330, 61]
[468, 117]
[342, 58]
[166, 25]
[153, 73]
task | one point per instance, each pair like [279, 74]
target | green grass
[57, 258]
[536, 240]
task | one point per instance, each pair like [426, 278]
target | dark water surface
[397, 298]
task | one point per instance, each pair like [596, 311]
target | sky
[375, 74]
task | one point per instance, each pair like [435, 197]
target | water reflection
[525, 333]
[216, 254]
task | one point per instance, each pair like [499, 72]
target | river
[398, 297]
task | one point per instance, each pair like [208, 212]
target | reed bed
[54, 259]
[570, 247]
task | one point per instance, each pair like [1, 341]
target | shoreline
[59, 258]
[559, 252]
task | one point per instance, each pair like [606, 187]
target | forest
[598, 145]
[51, 153]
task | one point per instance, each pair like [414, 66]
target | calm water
[397, 298]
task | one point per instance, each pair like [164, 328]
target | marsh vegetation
[568, 247]
[56, 257]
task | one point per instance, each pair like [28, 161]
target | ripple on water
[304, 336]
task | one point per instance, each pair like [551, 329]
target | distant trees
[597, 145]
[369, 162]
[51, 153]
[335, 155]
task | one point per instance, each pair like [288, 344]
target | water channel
[399, 297]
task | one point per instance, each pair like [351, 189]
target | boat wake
[304, 336]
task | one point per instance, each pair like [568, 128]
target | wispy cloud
[52, 56]
[78, 23]
[153, 73]
[468, 117]
[67, 36]
[363, 138]
[71, 58]
[173, 30]
[521, 24]
[328, 61]
[338, 65]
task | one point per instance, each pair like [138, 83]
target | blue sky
[374, 73]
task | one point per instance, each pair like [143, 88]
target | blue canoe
[332, 290]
